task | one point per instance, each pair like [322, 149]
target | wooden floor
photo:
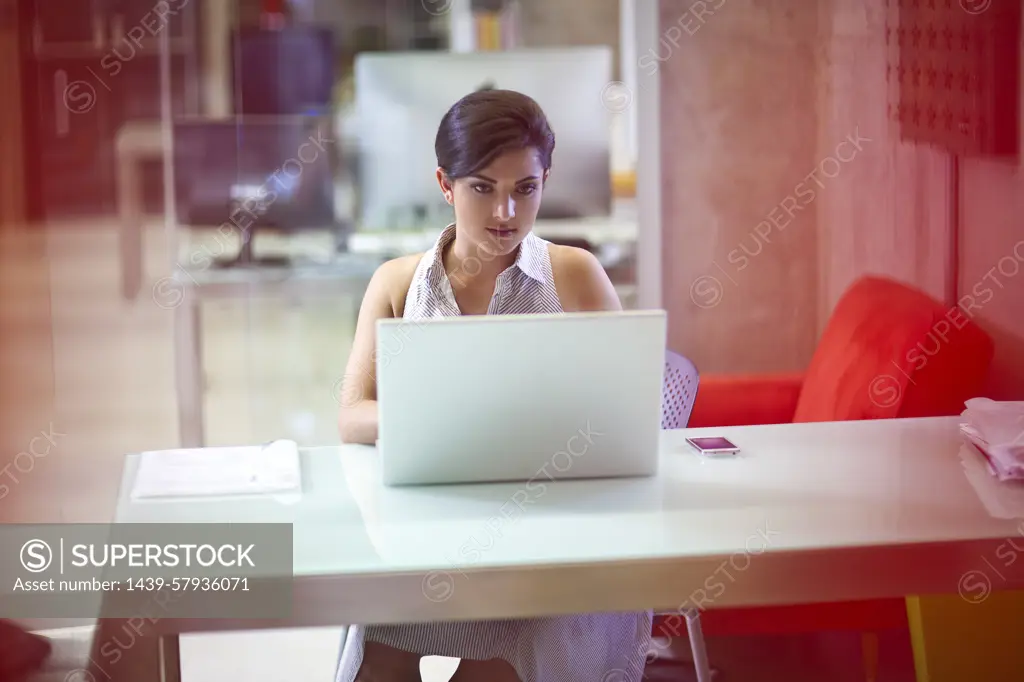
[95, 373]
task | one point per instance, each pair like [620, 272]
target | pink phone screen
[713, 443]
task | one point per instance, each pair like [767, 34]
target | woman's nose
[505, 209]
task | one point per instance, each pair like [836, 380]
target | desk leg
[188, 368]
[123, 652]
[956, 640]
[129, 197]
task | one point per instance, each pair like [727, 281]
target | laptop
[526, 398]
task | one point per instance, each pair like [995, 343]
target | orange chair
[889, 351]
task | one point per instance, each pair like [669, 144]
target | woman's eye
[482, 189]
[527, 189]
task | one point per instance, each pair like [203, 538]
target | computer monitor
[253, 173]
[401, 98]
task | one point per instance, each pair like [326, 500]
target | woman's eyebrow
[495, 182]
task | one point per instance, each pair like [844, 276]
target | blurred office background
[133, 315]
[148, 128]
[132, 130]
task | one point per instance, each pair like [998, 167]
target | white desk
[603, 233]
[809, 513]
[185, 291]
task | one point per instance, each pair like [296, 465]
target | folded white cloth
[996, 428]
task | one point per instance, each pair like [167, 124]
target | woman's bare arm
[357, 417]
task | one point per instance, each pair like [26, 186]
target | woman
[494, 152]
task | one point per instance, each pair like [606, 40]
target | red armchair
[888, 351]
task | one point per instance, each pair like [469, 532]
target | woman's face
[495, 209]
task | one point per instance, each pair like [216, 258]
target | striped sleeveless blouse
[609, 647]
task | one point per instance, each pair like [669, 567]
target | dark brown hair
[487, 123]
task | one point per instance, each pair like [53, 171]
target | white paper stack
[252, 470]
[996, 429]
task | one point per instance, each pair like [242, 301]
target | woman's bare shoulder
[570, 259]
[581, 280]
[395, 277]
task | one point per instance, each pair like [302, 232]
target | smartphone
[713, 446]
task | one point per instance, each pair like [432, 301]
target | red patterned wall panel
[957, 68]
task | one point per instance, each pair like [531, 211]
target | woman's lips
[501, 232]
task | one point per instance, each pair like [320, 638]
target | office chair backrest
[678, 392]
